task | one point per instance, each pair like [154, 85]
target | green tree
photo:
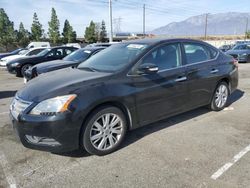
[248, 34]
[103, 32]
[90, 33]
[69, 35]
[36, 29]
[7, 34]
[23, 37]
[54, 25]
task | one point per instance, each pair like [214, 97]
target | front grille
[18, 106]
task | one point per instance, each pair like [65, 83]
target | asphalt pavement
[199, 149]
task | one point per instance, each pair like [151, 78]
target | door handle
[214, 71]
[181, 79]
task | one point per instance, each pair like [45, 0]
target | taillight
[235, 62]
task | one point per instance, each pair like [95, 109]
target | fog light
[42, 140]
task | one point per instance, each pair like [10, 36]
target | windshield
[44, 52]
[242, 47]
[78, 55]
[16, 51]
[22, 52]
[113, 58]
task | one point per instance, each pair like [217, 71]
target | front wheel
[220, 97]
[104, 131]
[24, 68]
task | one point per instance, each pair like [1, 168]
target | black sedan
[241, 53]
[72, 59]
[15, 52]
[20, 65]
[121, 88]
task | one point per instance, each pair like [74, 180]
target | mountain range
[230, 23]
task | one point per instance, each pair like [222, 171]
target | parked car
[121, 88]
[38, 44]
[76, 45]
[241, 53]
[2, 55]
[23, 53]
[104, 44]
[20, 65]
[73, 59]
[225, 48]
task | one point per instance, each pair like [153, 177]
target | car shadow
[137, 134]
[235, 96]
[7, 94]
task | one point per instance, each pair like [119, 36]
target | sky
[81, 12]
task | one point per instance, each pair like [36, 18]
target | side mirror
[148, 68]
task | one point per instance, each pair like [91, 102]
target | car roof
[153, 41]
[94, 48]
[55, 47]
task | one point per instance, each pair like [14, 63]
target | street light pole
[144, 30]
[206, 27]
[110, 22]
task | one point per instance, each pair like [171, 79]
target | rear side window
[197, 53]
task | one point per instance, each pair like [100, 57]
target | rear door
[163, 93]
[202, 72]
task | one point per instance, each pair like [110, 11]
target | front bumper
[11, 69]
[57, 133]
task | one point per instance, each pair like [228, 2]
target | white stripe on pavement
[236, 158]
[6, 169]
[3, 113]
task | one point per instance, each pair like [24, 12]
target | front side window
[165, 57]
[34, 52]
[196, 53]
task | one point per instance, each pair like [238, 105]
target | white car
[33, 51]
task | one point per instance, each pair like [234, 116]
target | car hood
[60, 82]
[44, 67]
[12, 57]
[238, 51]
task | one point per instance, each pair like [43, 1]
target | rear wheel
[104, 131]
[220, 97]
[24, 68]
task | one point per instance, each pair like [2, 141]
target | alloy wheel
[221, 96]
[106, 131]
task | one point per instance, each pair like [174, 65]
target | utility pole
[246, 29]
[110, 22]
[206, 26]
[144, 30]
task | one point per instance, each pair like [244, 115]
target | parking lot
[196, 149]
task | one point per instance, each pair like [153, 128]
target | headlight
[14, 64]
[53, 105]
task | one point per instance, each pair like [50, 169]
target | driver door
[161, 94]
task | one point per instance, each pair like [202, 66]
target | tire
[248, 59]
[24, 68]
[220, 97]
[98, 139]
